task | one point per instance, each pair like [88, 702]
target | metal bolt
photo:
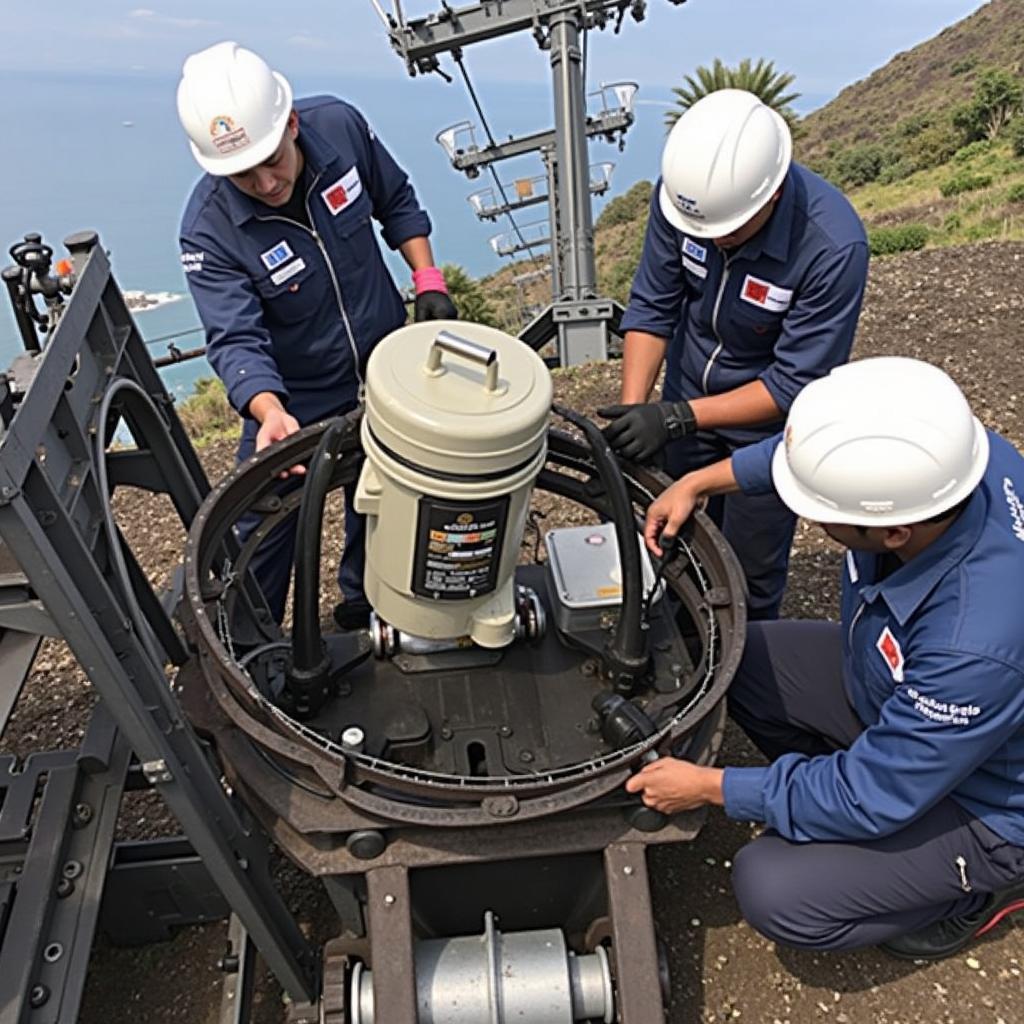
[65, 887]
[389, 900]
[526, 756]
[72, 869]
[675, 668]
[38, 996]
[82, 815]
[229, 963]
[446, 733]
[505, 730]
[627, 870]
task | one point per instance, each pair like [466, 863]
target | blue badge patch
[275, 257]
[695, 251]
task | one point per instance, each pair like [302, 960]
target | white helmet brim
[817, 509]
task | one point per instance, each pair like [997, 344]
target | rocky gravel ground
[959, 308]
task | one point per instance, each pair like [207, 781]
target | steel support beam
[421, 39]
[52, 516]
[608, 123]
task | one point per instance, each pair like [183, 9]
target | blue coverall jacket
[933, 665]
[782, 308]
[288, 310]
[297, 311]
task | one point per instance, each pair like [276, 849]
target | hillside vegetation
[919, 84]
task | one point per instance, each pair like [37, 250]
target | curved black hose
[308, 647]
[626, 655]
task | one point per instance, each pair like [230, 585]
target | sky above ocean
[93, 139]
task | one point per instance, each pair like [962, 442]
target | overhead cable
[457, 56]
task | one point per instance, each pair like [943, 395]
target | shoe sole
[1002, 913]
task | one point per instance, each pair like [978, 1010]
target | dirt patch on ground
[959, 308]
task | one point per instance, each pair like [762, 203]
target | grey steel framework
[73, 575]
[579, 318]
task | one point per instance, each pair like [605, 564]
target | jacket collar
[320, 158]
[906, 589]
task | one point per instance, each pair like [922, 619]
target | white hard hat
[723, 160]
[879, 442]
[233, 107]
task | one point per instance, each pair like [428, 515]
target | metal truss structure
[70, 574]
[579, 320]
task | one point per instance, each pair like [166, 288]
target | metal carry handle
[456, 346]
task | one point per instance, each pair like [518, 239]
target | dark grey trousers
[788, 696]
[759, 528]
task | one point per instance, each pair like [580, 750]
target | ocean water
[78, 166]
[105, 152]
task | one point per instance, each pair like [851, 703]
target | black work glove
[639, 431]
[434, 306]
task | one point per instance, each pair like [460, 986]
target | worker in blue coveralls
[749, 287]
[894, 801]
[281, 259]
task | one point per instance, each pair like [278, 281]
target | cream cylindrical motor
[455, 433]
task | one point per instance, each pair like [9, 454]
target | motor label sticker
[458, 548]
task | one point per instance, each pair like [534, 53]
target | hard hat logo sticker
[226, 137]
[688, 206]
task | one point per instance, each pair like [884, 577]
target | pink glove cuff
[428, 279]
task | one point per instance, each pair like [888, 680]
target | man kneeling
[895, 797]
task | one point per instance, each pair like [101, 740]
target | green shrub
[898, 238]
[860, 165]
[630, 206]
[998, 94]
[952, 223]
[913, 126]
[902, 168]
[988, 228]
[963, 65]
[1016, 193]
[971, 150]
[1015, 133]
[206, 413]
[933, 145]
[964, 182]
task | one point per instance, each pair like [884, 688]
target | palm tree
[469, 296]
[761, 79]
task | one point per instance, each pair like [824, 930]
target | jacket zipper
[714, 326]
[334, 280]
[853, 622]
